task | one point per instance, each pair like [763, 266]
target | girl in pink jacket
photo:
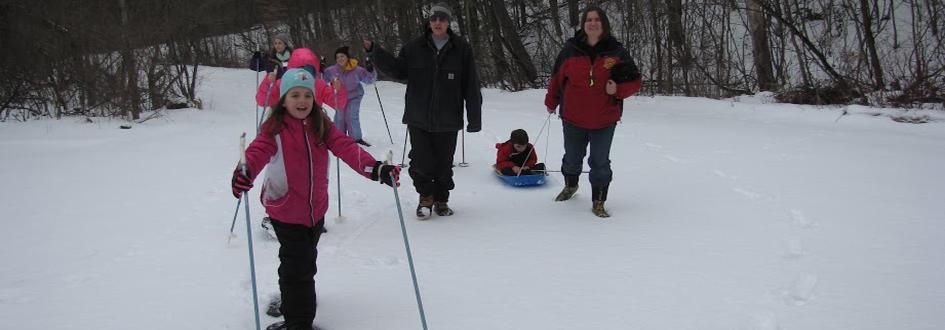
[293, 145]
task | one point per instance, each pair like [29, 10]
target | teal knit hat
[296, 78]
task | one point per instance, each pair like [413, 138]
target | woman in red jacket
[591, 77]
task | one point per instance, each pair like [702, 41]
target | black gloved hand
[383, 172]
[255, 62]
[623, 72]
[473, 128]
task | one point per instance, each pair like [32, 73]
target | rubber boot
[600, 196]
[570, 187]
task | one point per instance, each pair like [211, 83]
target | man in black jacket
[441, 77]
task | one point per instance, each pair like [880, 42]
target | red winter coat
[296, 186]
[506, 156]
[583, 104]
[324, 94]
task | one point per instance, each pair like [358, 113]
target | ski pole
[233, 224]
[404, 154]
[403, 230]
[257, 107]
[338, 168]
[542, 130]
[463, 163]
[382, 112]
[555, 171]
[338, 160]
[249, 232]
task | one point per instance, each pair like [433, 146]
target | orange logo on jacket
[609, 62]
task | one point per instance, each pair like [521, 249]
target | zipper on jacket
[308, 147]
[434, 102]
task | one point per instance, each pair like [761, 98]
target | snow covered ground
[725, 215]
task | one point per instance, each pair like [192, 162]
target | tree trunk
[131, 68]
[758, 25]
[555, 17]
[871, 45]
[677, 37]
[573, 13]
[512, 42]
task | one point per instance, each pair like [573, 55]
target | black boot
[600, 196]
[570, 187]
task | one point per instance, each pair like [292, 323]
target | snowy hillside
[725, 215]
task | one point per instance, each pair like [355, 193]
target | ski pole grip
[243, 153]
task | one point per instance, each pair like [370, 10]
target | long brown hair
[604, 22]
[319, 120]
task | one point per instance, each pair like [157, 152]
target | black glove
[256, 63]
[383, 172]
[473, 128]
[624, 72]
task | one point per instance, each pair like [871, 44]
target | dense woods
[124, 57]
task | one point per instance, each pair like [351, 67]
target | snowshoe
[566, 193]
[267, 225]
[281, 325]
[442, 209]
[599, 210]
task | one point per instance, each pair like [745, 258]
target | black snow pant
[297, 253]
[431, 162]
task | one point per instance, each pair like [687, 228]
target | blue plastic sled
[521, 180]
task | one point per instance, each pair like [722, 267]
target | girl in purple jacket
[351, 75]
[293, 145]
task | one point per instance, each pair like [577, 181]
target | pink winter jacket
[324, 94]
[295, 189]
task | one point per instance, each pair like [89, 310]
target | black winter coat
[439, 83]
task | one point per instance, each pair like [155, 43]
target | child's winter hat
[441, 10]
[519, 136]
[343, 50]
[296, 78]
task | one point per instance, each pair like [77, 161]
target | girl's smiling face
[298, 102]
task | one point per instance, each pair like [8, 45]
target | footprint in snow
[752, 195]
[795, 250]
[800, 219]
[801, 290]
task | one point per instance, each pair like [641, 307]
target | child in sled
[517, 157]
